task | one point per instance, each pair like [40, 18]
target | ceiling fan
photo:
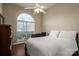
[38, 8]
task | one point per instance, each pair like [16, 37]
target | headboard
[38, 34]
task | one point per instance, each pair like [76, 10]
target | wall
[62, 17]
[11, 12]
[1, 8]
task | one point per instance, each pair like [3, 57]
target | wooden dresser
[5, 40]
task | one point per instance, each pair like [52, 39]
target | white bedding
[48, 46]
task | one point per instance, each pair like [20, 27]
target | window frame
[23, 21]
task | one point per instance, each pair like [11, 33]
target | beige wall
[1, 8]
[11, 12]
[62, 17]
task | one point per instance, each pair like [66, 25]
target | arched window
[25, 25]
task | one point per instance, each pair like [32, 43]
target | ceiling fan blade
[42, 11]
[44, 7]
[29, 7]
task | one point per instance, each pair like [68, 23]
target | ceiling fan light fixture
[39, 10]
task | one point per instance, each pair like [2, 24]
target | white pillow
[54, 33]
[67, 34]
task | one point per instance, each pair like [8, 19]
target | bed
[58, 43]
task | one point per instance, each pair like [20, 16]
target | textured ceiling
[33, 4]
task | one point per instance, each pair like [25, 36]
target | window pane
[24, 26]
[30, 26]
[20, 26]
[25, 17]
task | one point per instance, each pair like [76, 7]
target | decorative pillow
[67, 34]
[54, 33]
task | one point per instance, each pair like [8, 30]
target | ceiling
[33, 4]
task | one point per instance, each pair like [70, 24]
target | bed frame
[77, 40]
[76, 53]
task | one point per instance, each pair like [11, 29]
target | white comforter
[48, 46]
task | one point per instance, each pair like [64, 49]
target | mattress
[49, 46]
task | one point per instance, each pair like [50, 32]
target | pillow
[67, 34]
[54, 34]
